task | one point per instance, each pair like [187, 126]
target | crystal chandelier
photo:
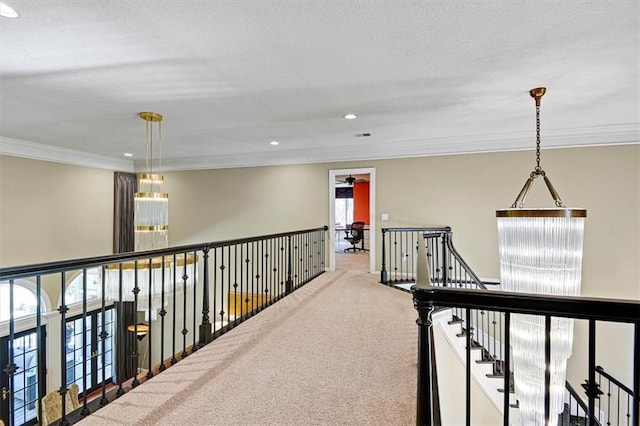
[147, 279]
[151, 205]
[540, 252]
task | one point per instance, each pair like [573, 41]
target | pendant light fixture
[151, 205]
[146, 280]
[540, 252]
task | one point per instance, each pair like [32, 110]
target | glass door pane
[24, 385]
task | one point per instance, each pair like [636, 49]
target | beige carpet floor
[339, 351]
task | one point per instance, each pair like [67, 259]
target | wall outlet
[384, 216]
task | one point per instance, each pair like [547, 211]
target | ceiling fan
[349, 180]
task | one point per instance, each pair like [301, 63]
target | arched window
[25, 301]
[73, 293]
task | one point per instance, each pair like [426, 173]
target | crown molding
[38, 151]
[621, 134]
[616, 134]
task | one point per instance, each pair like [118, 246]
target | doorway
[341, 211]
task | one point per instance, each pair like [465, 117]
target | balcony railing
[427, 298]
[446, 265]
[138, 314]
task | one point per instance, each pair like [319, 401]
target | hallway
[340, 350]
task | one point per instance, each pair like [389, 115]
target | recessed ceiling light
[350, 116]
[7, 12]
[128, 154]
[274, 143]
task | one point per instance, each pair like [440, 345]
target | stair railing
[616, 401]
[447, 268]
[575, 410]
[427, 298]
[486, 329]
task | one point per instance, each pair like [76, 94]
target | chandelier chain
[538, 169]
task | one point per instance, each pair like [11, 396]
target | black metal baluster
[212, 328]
[149, 316]
[323, 249]
[547, 370]
[122, 329]
[495, 336]
[636, 375]
[174, 306]
[205, 326]
[629, 410]
[86, 345]
[393, 257]
[468, 370]
[294, 257]
[136, 350]
[273, 269]
[194, 277]
[222, 305]
[103, 337]
[618, 406]
[235, 284]
[592, 388]
[162, 313]
[244, 280]
[609, 402]
[63, 309]
[42, 390]
[445, 266]
[222, 267]
[185, 277]
[416, 239]
[235, 250]
[265, 278]
[289, 283]
[251, 268]
[506, 367]
[383, 267]
[438, 256]
[403, 276]
[11, 367]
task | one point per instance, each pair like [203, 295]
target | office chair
[355, 236]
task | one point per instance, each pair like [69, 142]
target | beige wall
[214, 205]
[462, 191]
[52, 211]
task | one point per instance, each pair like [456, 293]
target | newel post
[205, 326]
[424, 408]
[383, 269]
[288, 288]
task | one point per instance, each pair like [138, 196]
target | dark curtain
[125, 341]
[346, 192]
[124, 186]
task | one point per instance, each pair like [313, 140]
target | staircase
[488, 372]
[445, 267]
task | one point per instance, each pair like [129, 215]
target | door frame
[371, 171]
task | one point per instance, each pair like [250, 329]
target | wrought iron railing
[138, 314]
[426, 299]
[446, 266]
[615, 404]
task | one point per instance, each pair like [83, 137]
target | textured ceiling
[424, 78]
